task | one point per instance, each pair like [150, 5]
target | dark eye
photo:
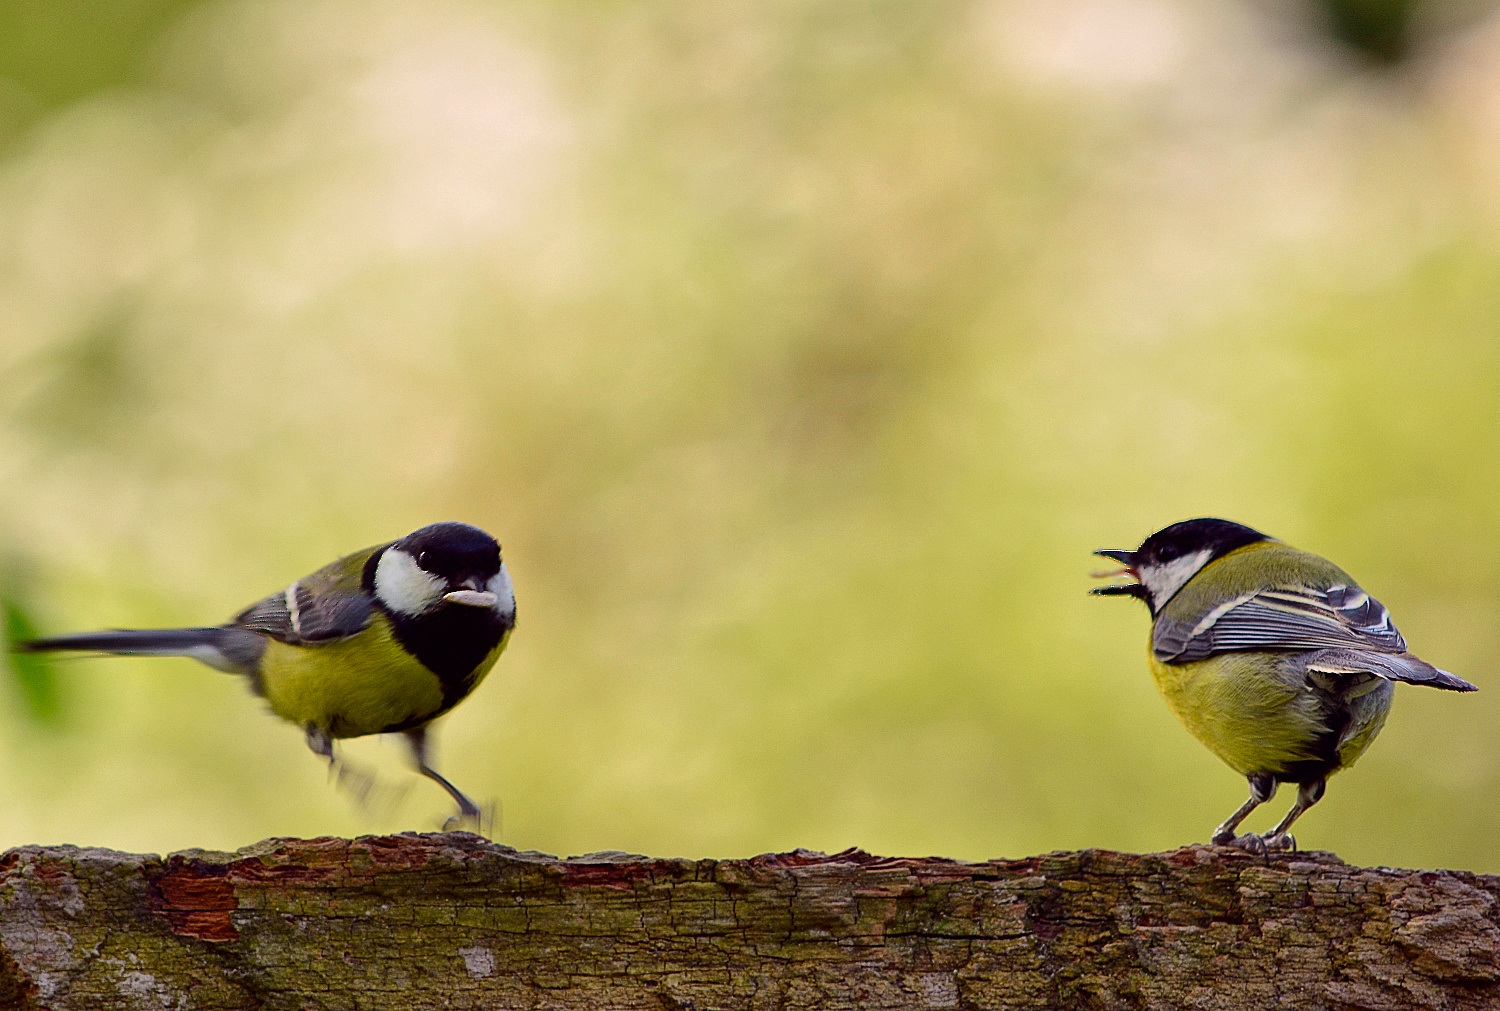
[422, 559]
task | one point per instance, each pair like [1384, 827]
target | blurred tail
[220, 648]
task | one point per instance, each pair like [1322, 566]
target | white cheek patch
[505, 595]
[402, 586]
[1163, 581]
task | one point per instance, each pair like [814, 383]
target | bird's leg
[319, 741]
[1308, 794]
[469, 816]
[1262, 789]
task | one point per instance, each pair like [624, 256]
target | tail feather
[1452, 682]
[216, 647]
[1419, 672]
[1391, 666]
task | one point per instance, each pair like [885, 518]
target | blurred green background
[798, 354]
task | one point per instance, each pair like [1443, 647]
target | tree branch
[452, 921]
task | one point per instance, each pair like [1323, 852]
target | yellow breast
[367, 684]
[1241, 710]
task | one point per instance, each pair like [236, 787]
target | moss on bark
[453, 921]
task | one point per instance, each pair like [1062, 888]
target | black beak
[1120, 590]
[1127, 559]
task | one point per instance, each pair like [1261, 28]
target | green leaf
[32, 672]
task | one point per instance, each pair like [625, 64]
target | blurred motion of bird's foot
[473, 818]
[372, 797]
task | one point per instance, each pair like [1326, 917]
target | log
[454, 921]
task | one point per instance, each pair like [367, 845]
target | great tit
[382, 641]
[1272, 657]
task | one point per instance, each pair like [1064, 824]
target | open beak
[471, 598]
[1127, 559]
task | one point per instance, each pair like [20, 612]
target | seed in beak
[471, 598]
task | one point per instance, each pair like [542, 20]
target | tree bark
[453, 921]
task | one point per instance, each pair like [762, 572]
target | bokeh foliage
[797, 353]
[1376, 27]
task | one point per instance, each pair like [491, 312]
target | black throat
[451, 641]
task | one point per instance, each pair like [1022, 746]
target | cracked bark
[453, 921]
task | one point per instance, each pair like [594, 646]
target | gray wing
[1283, 618]
[301, 618]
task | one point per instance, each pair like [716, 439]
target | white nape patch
[505, 594]
[402, 585]
[1163, 581]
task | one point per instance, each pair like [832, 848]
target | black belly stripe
[1325, 748]
[451, 642]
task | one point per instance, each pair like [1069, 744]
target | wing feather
[1282, 618]
[301, 618]
[329, 616]
[326, 606]
[269, 617]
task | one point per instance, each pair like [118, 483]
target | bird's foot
[1250, 842]
[371, 797]
[358, 782]
[1260, 845]
[1281, 842]
[473, 818]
